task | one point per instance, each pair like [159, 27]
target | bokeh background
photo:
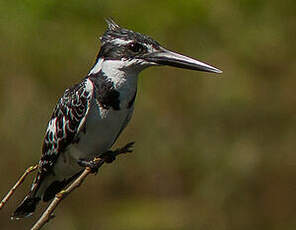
[211, 153]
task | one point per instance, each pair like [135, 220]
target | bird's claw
[93, 165]
[107, 157]
[127, 148]
[110, 156]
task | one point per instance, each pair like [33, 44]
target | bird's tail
[28, 205]
[26, 208]
[44, 187]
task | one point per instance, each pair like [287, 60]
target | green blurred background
[211, 153]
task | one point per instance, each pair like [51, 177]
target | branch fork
[91, 167]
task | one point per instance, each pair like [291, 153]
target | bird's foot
[128, 148]
[110, 155]
[107, 157]
[93, 165]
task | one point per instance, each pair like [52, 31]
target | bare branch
[98, 162]
[17, 184]
[47, 215]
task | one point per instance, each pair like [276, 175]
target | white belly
[102, 128]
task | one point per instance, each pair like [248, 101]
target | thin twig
[48, 213]
[17, 184]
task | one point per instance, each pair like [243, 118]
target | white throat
[120, 72]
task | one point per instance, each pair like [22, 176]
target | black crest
[115, 31]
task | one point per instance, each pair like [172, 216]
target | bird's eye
[135, 47]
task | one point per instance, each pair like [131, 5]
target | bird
[91, 115]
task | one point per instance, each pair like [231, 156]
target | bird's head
[133, 51]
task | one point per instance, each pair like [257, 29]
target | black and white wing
[67, 121]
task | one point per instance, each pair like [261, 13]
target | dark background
[211, 153]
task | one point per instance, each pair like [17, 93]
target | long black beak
[167, 57]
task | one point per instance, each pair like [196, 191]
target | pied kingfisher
[90, 116]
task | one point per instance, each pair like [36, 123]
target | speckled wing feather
[67, 121]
